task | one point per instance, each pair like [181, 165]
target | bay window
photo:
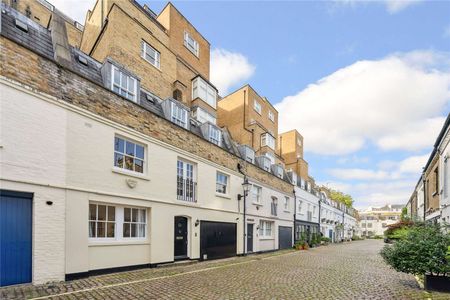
[268, 140]
[203, 116]
[203, 90]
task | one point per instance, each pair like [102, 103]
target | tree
[341, 197]
[404, 216]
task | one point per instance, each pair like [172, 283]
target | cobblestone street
[346, 271]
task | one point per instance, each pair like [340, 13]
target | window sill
[159, 69]
[131, 174]
[266, 238]
[99, 243]
[257, 203]
[286, 211]
[226, 196]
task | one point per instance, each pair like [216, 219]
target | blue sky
[366, 83]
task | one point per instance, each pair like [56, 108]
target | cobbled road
[345, 271]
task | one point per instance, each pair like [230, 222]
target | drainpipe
[244, 210]
[319, 213]
[244, 125]
[295, 210]
[424, 196]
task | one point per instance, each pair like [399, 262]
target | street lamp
[245, 188]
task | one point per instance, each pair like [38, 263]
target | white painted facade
[374, 221]
[444, 180]
[63, 154]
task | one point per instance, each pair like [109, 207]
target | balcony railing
[186, 189]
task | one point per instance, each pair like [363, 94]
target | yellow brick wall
[432, 195]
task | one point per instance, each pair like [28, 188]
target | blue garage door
[15, 237]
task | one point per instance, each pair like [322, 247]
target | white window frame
[300, 204]
[147, 50]
[225, 184]
[274, 206]
[187, 170]
[257, 106]
[256, 194]
[286, 203]
[204, 91]
[215, 135]
[122, 89]
[268, 140]
[124, 154]
[203, 116]
[266, 229]
[271, 157]
[138, 223]
[178, 115]
[191, 44]
[106, 221]
[271, 116]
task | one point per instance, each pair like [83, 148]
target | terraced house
[115, 153]
[430, 200]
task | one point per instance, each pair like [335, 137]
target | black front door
[181, 237]
[249, 237]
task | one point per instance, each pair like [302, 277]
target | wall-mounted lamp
[197, 222]
[246, 188]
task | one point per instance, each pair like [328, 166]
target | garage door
[284, 237]
[217, 239]
[15, 237]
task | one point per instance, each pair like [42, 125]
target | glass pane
[124, 81]
[141, 230]
[111, 213]
[110, 230]
[142, 215]
[101, 213]
[123, 92]
[116, 89]
[118, 145]
[134, 215]
[129, 162]
[118, 160]
[92, 212]
[139, 165]
[130, 148]
[131, 85]
[127, 214]
[126, 230]
[91, 229]
[100, 229]
[116, 77]
[140, 151]
[133, 230]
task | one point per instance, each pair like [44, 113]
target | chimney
[60, 42]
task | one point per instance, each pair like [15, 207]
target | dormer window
[278, 171]
[247, 153]
[191, 44]
[179, 115]
[263, 162]
[271, 157]
[268, 140]
[123, 84]
[215, 136]
[202, 90]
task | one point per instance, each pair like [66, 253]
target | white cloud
[392, 6]
[396, 102]
[358, 174]
[76, 9]
[229, 69]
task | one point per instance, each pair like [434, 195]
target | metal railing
[186, 189]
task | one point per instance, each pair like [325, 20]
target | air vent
[21, 25]
[82, 60]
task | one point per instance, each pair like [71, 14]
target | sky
[367, 83]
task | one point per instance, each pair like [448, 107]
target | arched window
[178, 95]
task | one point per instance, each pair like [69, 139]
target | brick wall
[45, 76]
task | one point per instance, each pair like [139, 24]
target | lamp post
[245, 188]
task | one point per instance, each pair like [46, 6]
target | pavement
[352, 270]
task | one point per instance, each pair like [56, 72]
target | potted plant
[422, 252]
[325, 240]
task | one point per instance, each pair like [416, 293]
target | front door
[249, 237]
[181, 237]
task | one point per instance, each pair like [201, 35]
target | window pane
[110, 230]
[100, 229]
[129, 162]
[130, 148]
[133, 230]
[127, 214]
[118, 160]
[123, 81]
[119, 145]
[134, 215]
[142, 215]
[91, 229]
[101, 212]
[116, 89]
[126, 230]
[111, 213]
[131, 85]
[140, 151]
[141, 230]
[139, 165]
[92, 212]
[116, 76]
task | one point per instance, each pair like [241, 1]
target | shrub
[325, 239]
[422, 251]
[356, 238]
[377, 237]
